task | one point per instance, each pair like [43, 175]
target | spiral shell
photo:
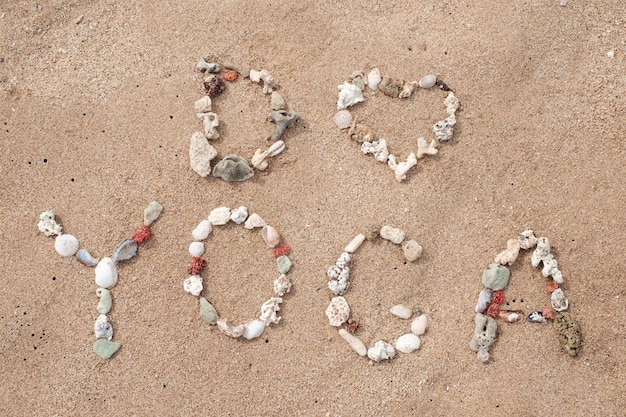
[66, 245]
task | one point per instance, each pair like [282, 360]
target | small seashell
[276, 148]
[201, 153]
[233, 168]
[196, 249]
[343, 119]
[102, 328]
[425, 148]
[270, 236]
[269, 311]
[484, 299]
[354, 342]
[202, 230]
[230, 330]
[254, 221]
[193, 285]
[125, 250]
[427, 81]
[407, 343]
[253, 329]
[66, 245]
[349, 95]
[85, 258]
[203, 105]
[392, 234]
[511, 316]
[374, 78]
[536, 317]
[402, 311]
[355, 243]
[219, 216]
[559, 300]
[419, 325]
[152, 212]
[412, 250]
[283, 263]
[207, 312]
[239, 214]
[105, 348]
[105, 303]
[106, 273]
[381, 351]
[338, 311]
[277, 102]
[48, 225]
[282, 285]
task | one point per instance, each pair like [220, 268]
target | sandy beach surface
[97, 109]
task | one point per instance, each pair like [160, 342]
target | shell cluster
[105, 269]
[281, 285]
[338, 310]
[495, 278]
[234, 167]
[352, 92]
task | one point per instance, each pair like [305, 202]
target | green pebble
[284, 264]
[104, 306]
[207, 311]
[105, 348]
[495, 277]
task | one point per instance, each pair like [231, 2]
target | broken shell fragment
[277, 102]
[392, 234]
[408, 89]
[354, 342]
[48, 225]
[277, 148]
[254, 221]
[282, 285]
[270, 236]
[125, 250]
[349, 95]
[229, 329]
[511, 316]
[408, 343]
[269, 311]
[253, 329]
[402, 311]
[201, 153]
[374, 78]
[66, 245]
[338, 311]
[427, 81]
[389, 87]
[85, 258]
[193, 285]
[106, 273]
[203, 105]
[219, 216]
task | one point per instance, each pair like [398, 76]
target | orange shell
[511, 316]
[551, 286]
[229, 76]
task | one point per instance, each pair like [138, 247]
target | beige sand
[96, 120]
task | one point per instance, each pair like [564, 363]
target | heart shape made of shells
[235, 167]
[352, 92]
[495, 278]
[338, 311]
[282, 285]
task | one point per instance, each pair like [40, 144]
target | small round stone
[496, 277]
[196, 249]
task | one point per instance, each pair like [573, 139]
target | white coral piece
[444, 129]
[425, 148]
[263, 76]
[378, 148]
[48, 225]
[402, 168]
[269, 311]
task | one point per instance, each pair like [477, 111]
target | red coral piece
[494, 310]
[197, 265]
[281, 250]
[141, 235]
[229, 76]
[498, 297]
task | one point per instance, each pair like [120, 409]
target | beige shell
[229, 329]
[66, 245]
[270, 236]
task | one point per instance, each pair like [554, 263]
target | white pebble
[392, 234]
[407, 343]
[239, 214]
[402, 311]
[343, 119]
[202, 230]
[610, 54]
[193, 285]
[196, 249]
[219, 216]
[354, 342]
[419, 325]
[253, 329]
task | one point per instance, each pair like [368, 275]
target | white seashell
[230, 330]
[66, 245]
[269, 311]
[484, 299]
[282, 285]
[193, 285]
[392, 234]
[354, 342]
[210, 121]
[444, 129]
[102, 328]
[203, 105]
[338, 311]
[452, 103]
[419, 325]
[253, 329]
[381, 351]
[343, 119]
[412, 250]
[202, 230]
[355, 243]
[201, 153]
[106, 273]
[508, 256]
[374, 78]
[402, 311]
[219, 216]
[239, 215]
[427, 81]
[425, 148]
[254, 221]
[277, 102]
[196, 249]
[270, 236]
[559, 300]
[258, 159]
[378, 148]
[402, 168]
[276, 148]
[48, 225]
[408, 89]
[407, 343]
[349, 95]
